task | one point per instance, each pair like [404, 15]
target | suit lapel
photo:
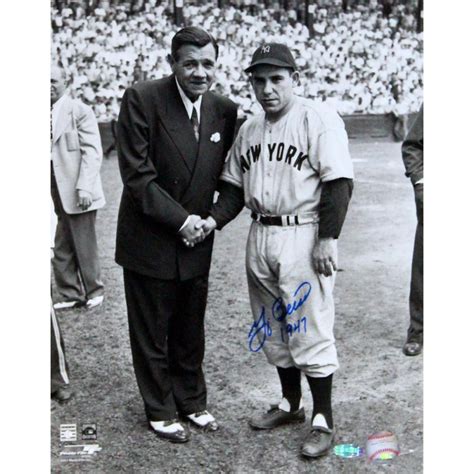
[207, 126]
[210, 123]
[179, 127]
[63, 118]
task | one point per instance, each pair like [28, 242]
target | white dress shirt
[189, 110]
[188, 104]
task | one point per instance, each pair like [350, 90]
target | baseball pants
[59, 368]
[292, 304]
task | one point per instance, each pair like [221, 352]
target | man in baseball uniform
[291, 166]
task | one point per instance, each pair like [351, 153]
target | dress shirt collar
[188, 104]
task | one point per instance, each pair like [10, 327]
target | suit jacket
[77, 155]
[167, 176]
[412, 149]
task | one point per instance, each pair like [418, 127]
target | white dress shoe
[171, 430]
[204, 420]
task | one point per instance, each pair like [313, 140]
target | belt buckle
[288, 220]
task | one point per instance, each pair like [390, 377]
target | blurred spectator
[352, 60]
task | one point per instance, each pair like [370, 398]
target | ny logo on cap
[265, 49]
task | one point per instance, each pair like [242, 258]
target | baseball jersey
[281, 165]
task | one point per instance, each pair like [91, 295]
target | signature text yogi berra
[261, 329]
[288, 154]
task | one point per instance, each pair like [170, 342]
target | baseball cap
[275, 54]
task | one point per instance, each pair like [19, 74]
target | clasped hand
[196, 230]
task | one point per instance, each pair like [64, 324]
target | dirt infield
[376, 388]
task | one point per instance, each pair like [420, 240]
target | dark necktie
[195, 123]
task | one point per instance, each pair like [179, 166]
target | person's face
[58, 84]
[273, 87]
[194, 69]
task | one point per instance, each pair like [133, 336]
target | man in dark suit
[412, 153]
[173, 136]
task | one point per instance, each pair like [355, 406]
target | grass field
[376, 388]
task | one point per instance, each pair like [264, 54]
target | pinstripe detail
[61, 356]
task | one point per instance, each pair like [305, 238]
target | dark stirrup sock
[290, 380]
[321, 392]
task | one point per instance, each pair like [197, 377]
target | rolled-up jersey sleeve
[333, 155]
[329, 147]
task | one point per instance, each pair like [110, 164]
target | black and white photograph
[236, 195]
[231, 238]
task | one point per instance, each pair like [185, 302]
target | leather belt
[285, 220]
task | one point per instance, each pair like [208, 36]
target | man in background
[412, 153]
[76, 189]
[60, 389]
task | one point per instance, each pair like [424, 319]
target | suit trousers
[76, 264]
[59, 376]
[415, 330]
[166, 324]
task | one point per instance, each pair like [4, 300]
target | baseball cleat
[277, 417]
[318, 442]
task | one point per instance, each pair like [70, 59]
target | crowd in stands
[360, 60]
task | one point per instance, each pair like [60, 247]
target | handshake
[196, 230]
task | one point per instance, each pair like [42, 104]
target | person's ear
[295, 76]
[170, 60]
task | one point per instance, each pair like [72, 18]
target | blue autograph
[263, 326]
[261, 329]
[291, 329]
[280, 311]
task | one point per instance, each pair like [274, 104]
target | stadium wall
[359, 127]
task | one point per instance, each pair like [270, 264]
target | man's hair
[63, 72]
[192, 35]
